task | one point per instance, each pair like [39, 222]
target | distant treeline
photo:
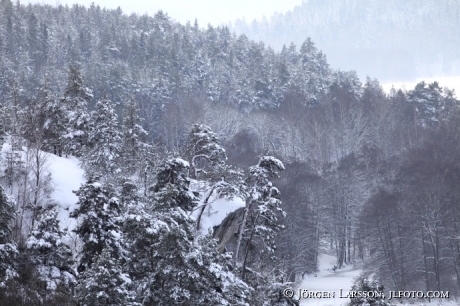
[391, 40]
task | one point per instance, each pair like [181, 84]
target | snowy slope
[67, 176]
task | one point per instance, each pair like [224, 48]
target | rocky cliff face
[229, 226]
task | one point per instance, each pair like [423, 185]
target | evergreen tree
[260, 220]
[105, 140]
[133, 136]
[207, 157]
[8, 249]
[36, 119]
[98, 227]
[428, 102]
[167, 264]
[216, 269]
[56, 121]
[76, 98]
[208, 163]
[105, 284]
[51, 256]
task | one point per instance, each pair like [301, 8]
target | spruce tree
[51, 256]
[56, 123]
[76, 98]
[98, 227]
[105, 284]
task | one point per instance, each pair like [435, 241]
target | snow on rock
[216, 212]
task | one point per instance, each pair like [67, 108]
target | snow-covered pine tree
[205, 153]
[127, 192]
[8, 249]
[35, 116]
[105, 284]
[255, 249]
[428, 102]
[105, 140]
[56, 122]
[208, 163]
[173, 279]
[216, 267]
[260, 223]
[167, 266]
[76, 98]
[133, 137]
[98, 227]
[51, 257]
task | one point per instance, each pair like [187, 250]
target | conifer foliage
[134, 137]
[104, 140]
[207, 156]
[51, 256]
[172, 268]
[8, 249]
[76, 98]
[98, 226]
[260, 223]
[104, 284]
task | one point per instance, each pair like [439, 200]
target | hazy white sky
[215, 12]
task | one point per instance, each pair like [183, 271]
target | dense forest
[166, 120]
[391, 40]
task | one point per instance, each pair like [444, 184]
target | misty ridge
[173, 124]
[391, 40]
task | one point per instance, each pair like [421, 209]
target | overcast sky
[215, 12]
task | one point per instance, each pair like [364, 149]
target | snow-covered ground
[330, 281]
[67, 175]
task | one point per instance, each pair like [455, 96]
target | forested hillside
[391, 40]
[169, 119]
